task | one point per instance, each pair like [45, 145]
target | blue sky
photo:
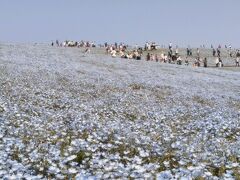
[182, 22]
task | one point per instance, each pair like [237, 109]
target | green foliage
[82, 155]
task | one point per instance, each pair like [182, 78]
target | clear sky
[182, 22]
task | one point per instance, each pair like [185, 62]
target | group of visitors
[122, 51]
[68, 43]
[114, 48]
[172, 55]
[216, 52]
[150, 46]
[175, 59]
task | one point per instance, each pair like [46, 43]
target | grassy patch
[235, 104]
[236, 173]
[167, 157]
[217, 171]
[1, 109]
[199, 178]
[233, 158]
[130, 116]
[161, 93]
[122, 148]
[136, 86]
[81, 156]
[202, 101]
[85, 134]
[15, 155]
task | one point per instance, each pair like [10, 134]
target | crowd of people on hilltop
[123, 52]
[172, 56]
[68, 43]
[217, 53]
[150, 46]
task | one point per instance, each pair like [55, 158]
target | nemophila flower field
[66, 115]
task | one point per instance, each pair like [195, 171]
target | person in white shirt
[179, 60]
[113, 53]
[170, 45]
[176, 52]
[186, 61]
[198, 52]
[165, 58]
[237, 61]
[87, 51]
[162, 57]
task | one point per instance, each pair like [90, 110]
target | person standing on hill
[237, 61]
[188, 53]
[237, 53]
[186, 61]
[205, 62]
[57, 42]
[230, 53]
[148, 57]
[218, 52]
[170, 53]
[217, 61]
[176, 51]
[220, 62]
[165, 58]
[170, 46]
[214, 52]
[198, 52]
[156, 58]
[230, 50]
